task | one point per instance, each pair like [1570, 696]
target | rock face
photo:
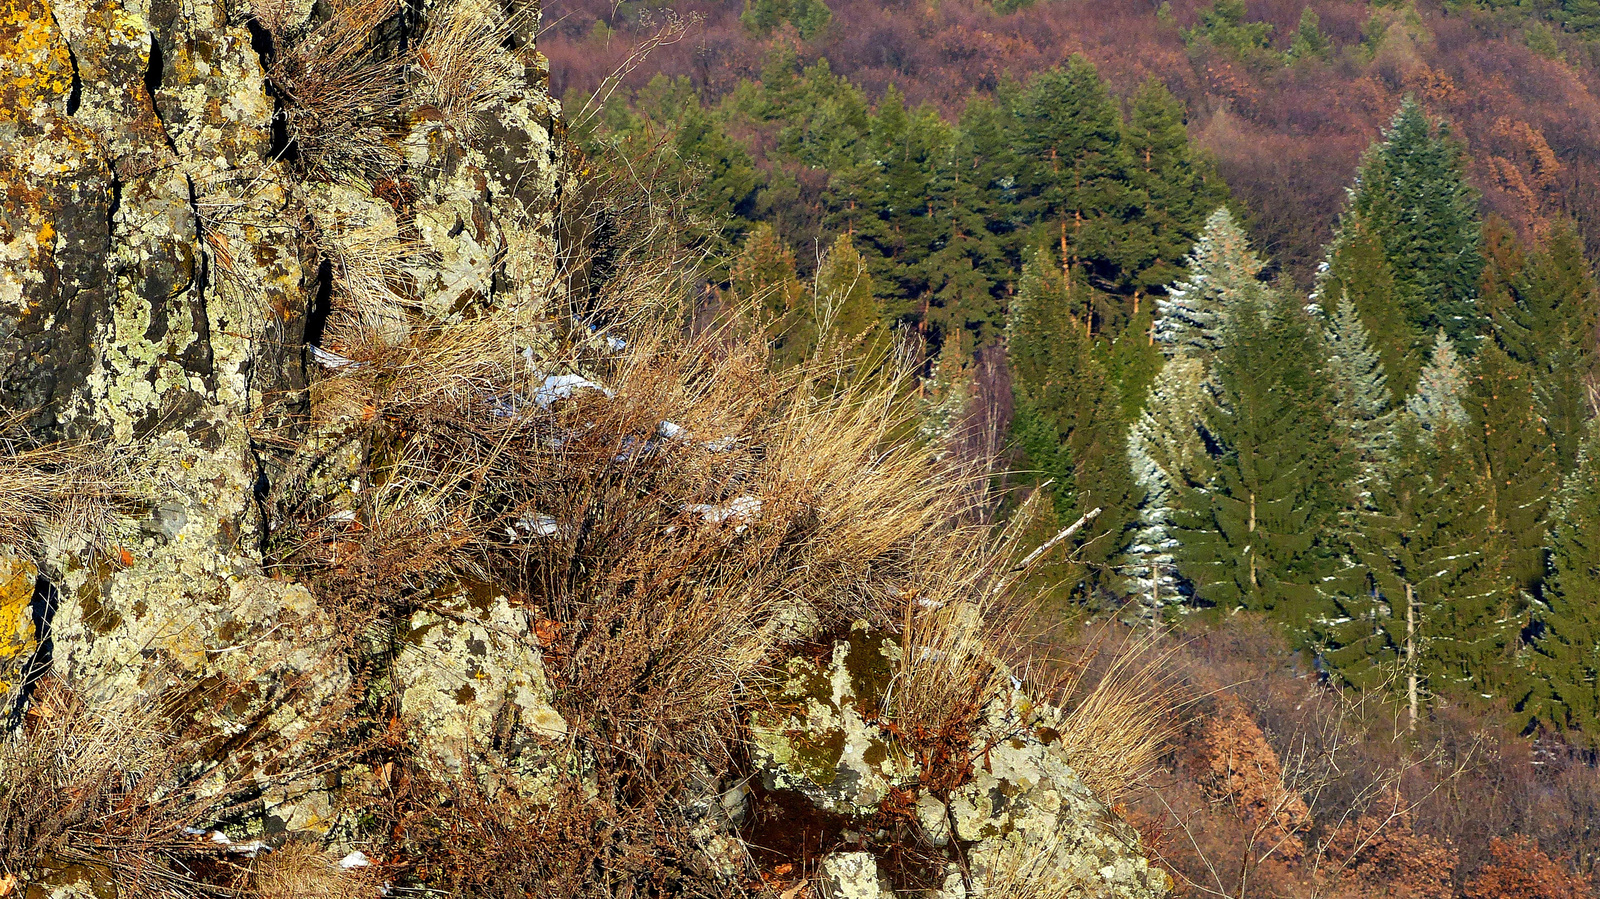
[1021, 817]
[199, 202]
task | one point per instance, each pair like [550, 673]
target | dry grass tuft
[59, 487]
[463, 65]
[1120, 705]
[342, 84]
[307, 871]
[124, 786]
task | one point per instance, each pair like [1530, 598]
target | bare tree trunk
[1411, 655]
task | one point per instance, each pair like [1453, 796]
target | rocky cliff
[369, 523]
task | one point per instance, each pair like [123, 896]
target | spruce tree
[1411, 198]
[1221, 272]
[1545, 319]
[1167, 455]
[1566, 665]
[1418, 613]
[1068, 414]
[1520, 461]
[1357, 273]
[1363, 408]
[1260, 533]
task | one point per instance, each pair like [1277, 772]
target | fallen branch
[1066, 532]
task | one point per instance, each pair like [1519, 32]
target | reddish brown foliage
[1380, 854]
[1243, 768]
[1521, 870]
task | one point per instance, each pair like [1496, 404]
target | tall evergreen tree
[1418, 614]
[1068, 414]
[1520, 461]
[1566, 666]
[1411, 198]
[1180, 185]
[1222, 272]
[1075, 172]
[1357, 273]
[1545, 318]
[1260, 534]
[1363, 408]
[845, 295]
[1167, 455]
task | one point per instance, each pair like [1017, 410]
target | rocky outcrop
[214, 213]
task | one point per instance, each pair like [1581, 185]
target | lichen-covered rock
[851, 875]
[472, 686]
[816, 737]
[1020, 820]
[17, 639]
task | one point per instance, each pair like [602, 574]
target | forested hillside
[1299, 296]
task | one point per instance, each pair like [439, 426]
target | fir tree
[1259, 534]
[1520, 461]
[1566, 666]
[1441, 389]
[1411, 198]
[947, 394]
[1363, 408]
[1167, 455]
[1068, 415]
[1222, 271]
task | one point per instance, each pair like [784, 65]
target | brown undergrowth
[127, 791]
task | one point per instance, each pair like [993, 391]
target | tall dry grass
[61, 487]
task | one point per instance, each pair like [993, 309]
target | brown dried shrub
[1521, 870]
[1377, 853]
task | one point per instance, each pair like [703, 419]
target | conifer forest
[1299, 296]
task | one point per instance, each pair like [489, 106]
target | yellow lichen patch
[35, 67]
[16, 619]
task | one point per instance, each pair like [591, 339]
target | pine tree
[1411, 198]
[1068, 414]
[1519, 458]
[1441, 389]
[1363, 408]
[1259, 534]
[1075, 172]
[1566, 666]
[1222, 272]
[1308, 41]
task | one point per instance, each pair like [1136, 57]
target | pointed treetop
[1437, 402]
[1363, 403]
[1222, 272]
